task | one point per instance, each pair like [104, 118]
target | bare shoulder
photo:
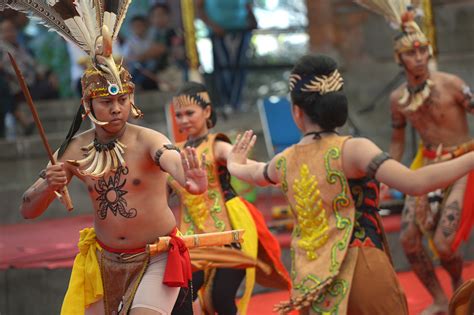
[73, 150]
[447, 79]
[397, 94]
[356, 155]
[148, 138]
[358, 144]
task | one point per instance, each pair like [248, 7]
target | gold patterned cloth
[205, 212]
[318, 193]
[220, 209]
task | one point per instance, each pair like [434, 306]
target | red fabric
[268, 241]
[365, 243]
[431, 154]
[120, 251]
[467, 216]
[178, 271]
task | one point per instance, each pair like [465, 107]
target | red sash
[178, 271]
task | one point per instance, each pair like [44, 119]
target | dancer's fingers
[184, 161]
[203, 161]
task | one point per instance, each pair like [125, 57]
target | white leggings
[151, 294]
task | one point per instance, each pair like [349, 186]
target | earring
[209, 123]
[136, 112]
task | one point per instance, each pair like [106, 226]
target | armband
[160, 152]
[374, 165]
[265, 175]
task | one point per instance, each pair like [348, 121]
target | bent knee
[410, 241]
[443, 247]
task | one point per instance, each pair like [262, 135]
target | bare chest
[113, 192]
[439, 109]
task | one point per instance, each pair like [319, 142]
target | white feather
[390, 9]
[109, 20]
[87, 11]
[80, 33]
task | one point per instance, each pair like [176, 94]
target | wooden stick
[463, 149]
[62, 195]
[199, 240]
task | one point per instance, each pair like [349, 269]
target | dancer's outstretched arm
[257, 173]
[360, 152]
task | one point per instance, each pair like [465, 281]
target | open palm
[242, 147]
[194, 171]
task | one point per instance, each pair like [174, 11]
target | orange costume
[338, 240]
[220, 209]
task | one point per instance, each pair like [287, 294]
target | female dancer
[220, 209]
[340, 261]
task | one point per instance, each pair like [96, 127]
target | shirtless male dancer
[125, 168]
[436, 104]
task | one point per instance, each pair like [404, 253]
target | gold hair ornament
[321, 84]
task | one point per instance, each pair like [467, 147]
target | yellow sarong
[85, 286]
[240, 218]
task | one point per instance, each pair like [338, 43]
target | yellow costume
[85, 286]
[220, 209]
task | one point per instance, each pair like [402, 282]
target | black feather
[76, 124]
[112, 6]
[66, 9]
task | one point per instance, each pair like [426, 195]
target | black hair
[329, 110]
[139, 18]
[193, 88]
[159, 5]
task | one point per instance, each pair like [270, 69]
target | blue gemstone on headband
[113, 89]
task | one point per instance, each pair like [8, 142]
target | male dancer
[125, 168]
[435, 103]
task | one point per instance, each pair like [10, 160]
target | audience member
[9, 43]
[142, 54]
[6, 101]
[230, 24]
[171, 66]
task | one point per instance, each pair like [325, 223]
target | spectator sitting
[141, 54]
[9, 43]
[172, 63]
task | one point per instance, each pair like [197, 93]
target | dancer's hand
[55, 176]
[195, 174]
[242, 147]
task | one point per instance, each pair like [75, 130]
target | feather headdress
[92, 25]
[400, 14]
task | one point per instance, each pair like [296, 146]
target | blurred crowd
[42, 82]
[152, 50]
